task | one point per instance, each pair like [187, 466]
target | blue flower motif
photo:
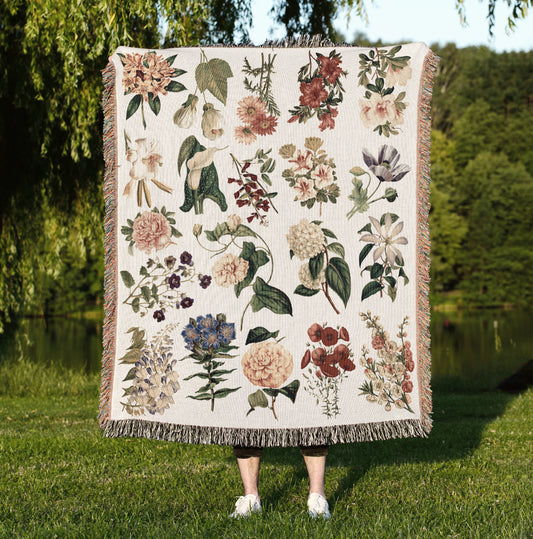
[226, 332]
[206, 321]
[210, 338]
[190, 334]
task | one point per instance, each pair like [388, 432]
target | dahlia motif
[148, 75]
[153, 375]
[161, 286]
[389, 376]
[311, 173]
[382, 238]
[321, 272]
[209, 340]
[258, 112]
[326, 364]
[321, 90]
[385, 168]
[151, 230]
[380, 72]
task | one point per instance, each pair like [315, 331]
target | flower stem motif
[153, 375]
[146, 76]
[161, 285]
[209, 340]
[388, 377]
[252, 191]
[326, 365]
[383, 239]
[145, 162]
[151, 230]
[324, 272]
[385, 168]
[312, 174]
[321, 90]
[264, 295]
[380, 72]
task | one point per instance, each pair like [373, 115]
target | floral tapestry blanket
[267, 244]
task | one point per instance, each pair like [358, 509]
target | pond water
[470, 349]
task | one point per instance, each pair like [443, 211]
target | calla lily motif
[197, 163]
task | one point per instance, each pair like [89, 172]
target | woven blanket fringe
[363, 432]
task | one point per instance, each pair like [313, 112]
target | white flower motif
[304, 189]
[233, 222]
[323, 176]
[307, 280]
[384, 239]
[305, 239]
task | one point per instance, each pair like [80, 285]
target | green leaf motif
[257, 400]
[187, 149]
[302, 290]
[133, 105]
[290, 390]
[154, 102]
[213, 76]
[376, 271]
[260, 334]
[364, 252]
[370, 289]
[316, 263]
[270, 297]
[338, 277]
[127, 278]
[336, 247]
[131, 374]
[224, 392]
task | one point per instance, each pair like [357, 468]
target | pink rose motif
[151, 230]
[267, 364]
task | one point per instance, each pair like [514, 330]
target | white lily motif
[197, 163]
[384, 239]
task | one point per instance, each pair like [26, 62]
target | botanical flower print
[385, 168]
[321, 90]
[163, 286]
[268, 364]
[388, 373]
[210, 76]
[253, 174]
[208, 339]
[151, 230]
[307, 240]
[258, 112]
[154, 379]
[145, 163]
[382, 237]
[148, 76]
[201, 181]
[251, 258]
[326, 363]
[312, 173]
[380, 73]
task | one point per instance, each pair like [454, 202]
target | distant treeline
[51, 233]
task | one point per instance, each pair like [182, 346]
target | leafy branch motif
[321, 90]
[240, 271]
[153, 375]
[388, 378]
[148, 75]
[386, 169]
[382, 238]
[160, 285]
[312, 175]
[252, 191]
[380, 71]
[321, 272]
[209, 339]
[263, 87]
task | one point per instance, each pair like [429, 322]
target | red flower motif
[318, 356]
[264, 125]
[330, 336]
[407, 386]
[343, 353]
[313, 93]
[377, 342]
[306, 359]
[314, 332]
[410, 365]
[343, 334]
[330, 68]
[329, 370]
[327, 121]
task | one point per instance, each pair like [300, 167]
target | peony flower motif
[323, 176]
[303, 162]
[233, 222]
[384, 239]
[305, 239]
[379, 110]
[386, 167]
[229, 270]
[304, 189]
[307, 280]
[184, 116]
[267, 364]
[151, 230]
[313, 93]
[398, 76]
[244, 134]
[211, 122]
[249, 108]
[330, 68]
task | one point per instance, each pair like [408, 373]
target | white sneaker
[246, 505]
[318, 506]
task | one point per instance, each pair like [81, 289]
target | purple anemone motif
[386, 167]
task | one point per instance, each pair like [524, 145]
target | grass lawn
[471, 478]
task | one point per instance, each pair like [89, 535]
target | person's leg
[248, 461]
[315, 462]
